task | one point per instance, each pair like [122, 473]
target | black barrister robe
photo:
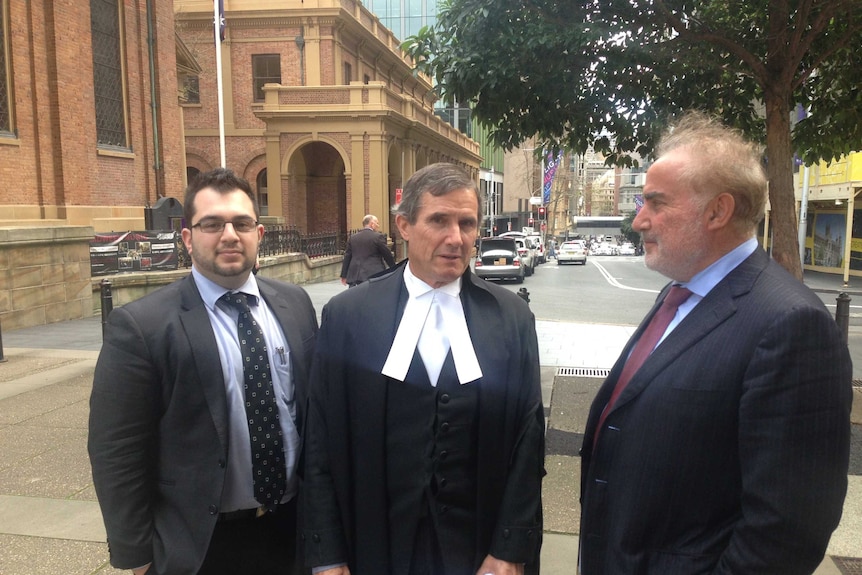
[345, 492]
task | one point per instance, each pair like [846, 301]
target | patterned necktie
[645, 345]
[433, 342]
[264, 428]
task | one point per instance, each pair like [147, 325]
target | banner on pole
[551, 163]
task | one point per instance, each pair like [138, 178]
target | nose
[640, 222]
[229, 231]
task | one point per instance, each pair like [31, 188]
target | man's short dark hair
[438, 180]
[221, 180]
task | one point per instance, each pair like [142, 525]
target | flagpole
[217, 36]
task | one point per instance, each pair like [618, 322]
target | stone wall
[293, 268]
[44, 275]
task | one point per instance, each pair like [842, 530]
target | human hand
[141, 570]
[341, 570]
[344, 281]
[493, 566]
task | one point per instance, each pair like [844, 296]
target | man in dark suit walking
[366, 253]
[198, 398]
[719, 442]
[424, 449]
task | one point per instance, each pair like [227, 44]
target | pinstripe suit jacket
[728, 450]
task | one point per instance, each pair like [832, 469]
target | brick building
[322, 110]
[90, 125]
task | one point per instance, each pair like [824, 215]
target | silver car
[498, 258]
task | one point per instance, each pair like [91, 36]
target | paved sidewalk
[49, 518]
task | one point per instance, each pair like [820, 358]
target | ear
[403, 227]
[187, 239]
[719, 211]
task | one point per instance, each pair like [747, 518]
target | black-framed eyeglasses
[215, 225]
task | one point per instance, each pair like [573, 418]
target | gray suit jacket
[159, 425]
[366, 254]
[728, 450]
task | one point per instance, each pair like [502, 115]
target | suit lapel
[718, 305]
[201, 340]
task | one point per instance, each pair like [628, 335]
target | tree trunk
[779, 170]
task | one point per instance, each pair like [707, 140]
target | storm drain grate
[583, 371]
[857, 383]
[848, 565]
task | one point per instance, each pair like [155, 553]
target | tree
[626, 229]
[613, 73]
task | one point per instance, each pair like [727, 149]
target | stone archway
[317, 189]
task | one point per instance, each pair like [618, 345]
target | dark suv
[498, 258]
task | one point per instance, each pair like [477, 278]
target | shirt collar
[211, 291]
[418, 288]
[706, 279]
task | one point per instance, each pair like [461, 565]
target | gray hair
[438, 180]
[723, 161]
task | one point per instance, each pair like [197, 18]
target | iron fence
[287, 239]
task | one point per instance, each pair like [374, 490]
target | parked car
[540, 247]
[529, 259]
[498, 258]
[572, 251]
[526, 247]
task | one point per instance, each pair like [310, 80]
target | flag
[550, 169]
[219, 17]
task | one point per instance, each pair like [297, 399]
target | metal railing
[287, 239]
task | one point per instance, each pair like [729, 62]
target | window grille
[108, 73]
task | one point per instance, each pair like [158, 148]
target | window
[191, 91]
[262, 195]
[108, 73]
[348, 73]
[266, 69]
[5, 73]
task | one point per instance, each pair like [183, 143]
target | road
[611, 289]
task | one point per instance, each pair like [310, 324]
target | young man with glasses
[181, 390]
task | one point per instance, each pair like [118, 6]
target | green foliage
[626, 229]
[612, 73]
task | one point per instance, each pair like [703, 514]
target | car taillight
[522, 251]
[478, 263]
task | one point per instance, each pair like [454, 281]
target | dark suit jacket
[366, 255]
[344, 489]
[159, 425]
[728, 450]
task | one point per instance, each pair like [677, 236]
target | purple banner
[551, 163]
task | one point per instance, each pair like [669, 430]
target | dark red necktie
[645, 345]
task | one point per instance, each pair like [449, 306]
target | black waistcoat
[431, 438]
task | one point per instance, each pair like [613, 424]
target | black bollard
[2, 357]
[842, 314]
[107, 302]
[524, 294]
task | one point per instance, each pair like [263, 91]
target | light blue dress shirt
[238, 489]
[706, 279]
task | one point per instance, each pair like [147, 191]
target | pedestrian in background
[194, 425]
[425, 440]
[719, 442]
[366, 253]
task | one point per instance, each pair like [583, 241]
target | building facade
[90, 126]
[322, 110]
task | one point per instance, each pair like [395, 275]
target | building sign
[118, 252]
